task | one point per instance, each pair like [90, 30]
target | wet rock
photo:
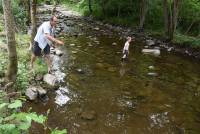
[41, 91]
[74, 52]
[114, 44]
[50, 79]
[96, 28]
[59, 52]
[170, 49]
[150, 42]
[155, 52]
[39, 77]
[151, 67]
[97, 42]
[152, 74]
[58, 29]
[61, 96]
[88, 115]
[31, 93]
[80, 71]
[77, 125]
[99, 65]
[157, 47]
[59, 76]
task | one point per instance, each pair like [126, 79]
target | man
[44, 34]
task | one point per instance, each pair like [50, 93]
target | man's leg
[47, 57]
[48, 61]
[36, 51]
[33, 58]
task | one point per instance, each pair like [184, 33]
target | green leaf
[1, 119]
[3, 105]
[16, 104]
[39, 119]
[24, 125]
[7, 126]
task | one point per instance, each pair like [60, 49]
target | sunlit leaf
[16, 104]
[3, 105]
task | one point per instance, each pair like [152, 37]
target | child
[126, 49]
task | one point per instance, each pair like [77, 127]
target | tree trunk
[175, 13]
[189, 28]
[166, 21]
[28, 12]
[170, 16]
[11, 43]
[118, 10]
[33, 20]
[143, 12]
[90, 6]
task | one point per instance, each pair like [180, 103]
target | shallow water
[121, 97]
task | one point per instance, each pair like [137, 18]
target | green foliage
[19, 13]
[190, 14]
[23, 75]
[187, 40]
[12, 121]
[127, 12]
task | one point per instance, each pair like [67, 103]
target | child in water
[126, 48]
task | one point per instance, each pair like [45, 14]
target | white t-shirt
[126, 46]
[40, 37]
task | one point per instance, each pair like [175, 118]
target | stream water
[107, 96]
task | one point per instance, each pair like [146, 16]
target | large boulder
[151, 51]
[50, 79]
[31, 93]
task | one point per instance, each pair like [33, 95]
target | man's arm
[51, 38]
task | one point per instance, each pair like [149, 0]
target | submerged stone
[152, 74]
[88, 115]
[114, 44]
[151, 67]
[99, 65]
[72, 45]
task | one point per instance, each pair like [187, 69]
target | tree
[33, 19]
[11, 43]
[143, 12]
[90, 5]
[170, 17]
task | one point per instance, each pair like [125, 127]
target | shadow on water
[111, 97]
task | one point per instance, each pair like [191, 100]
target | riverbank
[182, 44]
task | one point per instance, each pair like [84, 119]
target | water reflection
[122, 70]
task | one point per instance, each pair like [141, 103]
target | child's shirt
[126, 46]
